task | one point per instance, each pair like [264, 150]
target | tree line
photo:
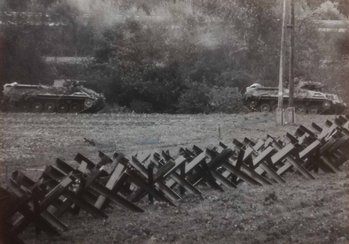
[176, 56]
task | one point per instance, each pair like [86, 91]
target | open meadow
[300, 211]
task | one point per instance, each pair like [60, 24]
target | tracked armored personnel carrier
[65, 96]
[308, 98]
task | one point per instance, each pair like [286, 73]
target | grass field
[302, 211]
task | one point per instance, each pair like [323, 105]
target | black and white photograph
[174, 121]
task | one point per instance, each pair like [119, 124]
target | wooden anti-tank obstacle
[93, 187]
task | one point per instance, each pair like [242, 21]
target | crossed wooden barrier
[91, 187]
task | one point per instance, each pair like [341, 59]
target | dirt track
[300, 211]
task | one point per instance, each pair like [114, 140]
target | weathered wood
[142, 183]
[196, 161]
[112, 181]
[33, 208]
[165, 189]
[240, 169]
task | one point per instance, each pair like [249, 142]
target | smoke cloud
[103, 14]
[100, 12]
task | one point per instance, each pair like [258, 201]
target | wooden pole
[290, 111]
[279, 111]
[291, 57]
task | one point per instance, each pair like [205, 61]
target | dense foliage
[174, 56]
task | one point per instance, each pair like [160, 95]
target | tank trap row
[86, 187]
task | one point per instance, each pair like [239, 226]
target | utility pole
[290, 111]
[280, 110]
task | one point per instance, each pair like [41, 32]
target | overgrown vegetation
[175, 56]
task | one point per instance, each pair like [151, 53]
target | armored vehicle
[308, 98]
[65, 96]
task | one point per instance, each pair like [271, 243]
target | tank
[65, 96]
[308, 98]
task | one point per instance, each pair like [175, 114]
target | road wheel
[49, 107]
[62, 108]
[74, 108]
[313, 109]
[25, 107]
[265, 107]
[37, 107]
[252, 105]
[301, 109]
[88, 103]
[326, 106]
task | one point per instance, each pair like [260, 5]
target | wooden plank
[292, 139]
[258, 145]
[31, 188]
[54, 221]
[219, 158]
[306, 130]
[183, 182]
[149, 188]
[272, 173]
[309, 149]
[316, 127]
[31, 217]
[81, 158]
[107, 193]
[241, 168]
[115, 176]
[205, 174]
[269, 141]
[283, 153]
[328, 164]
[105, 159]
[248, 152]
[238, 144]
[178, 163]
[164, 170]
[261, 156]
[245, 176]
[222, 179]
[65, 167]
[283, 169]
[85, 205]
[165, 189]
[193, 163]
[300, 168]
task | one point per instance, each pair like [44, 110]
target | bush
[194, 100]
[225, 99]
[141, 106]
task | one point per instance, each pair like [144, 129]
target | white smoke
[2, 4]
[100, 12]
[105, 13]
[329, 10]
[152, 13]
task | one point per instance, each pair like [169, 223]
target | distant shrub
[225, 99]
[141, 106]
[195, 99]
[114, 108]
